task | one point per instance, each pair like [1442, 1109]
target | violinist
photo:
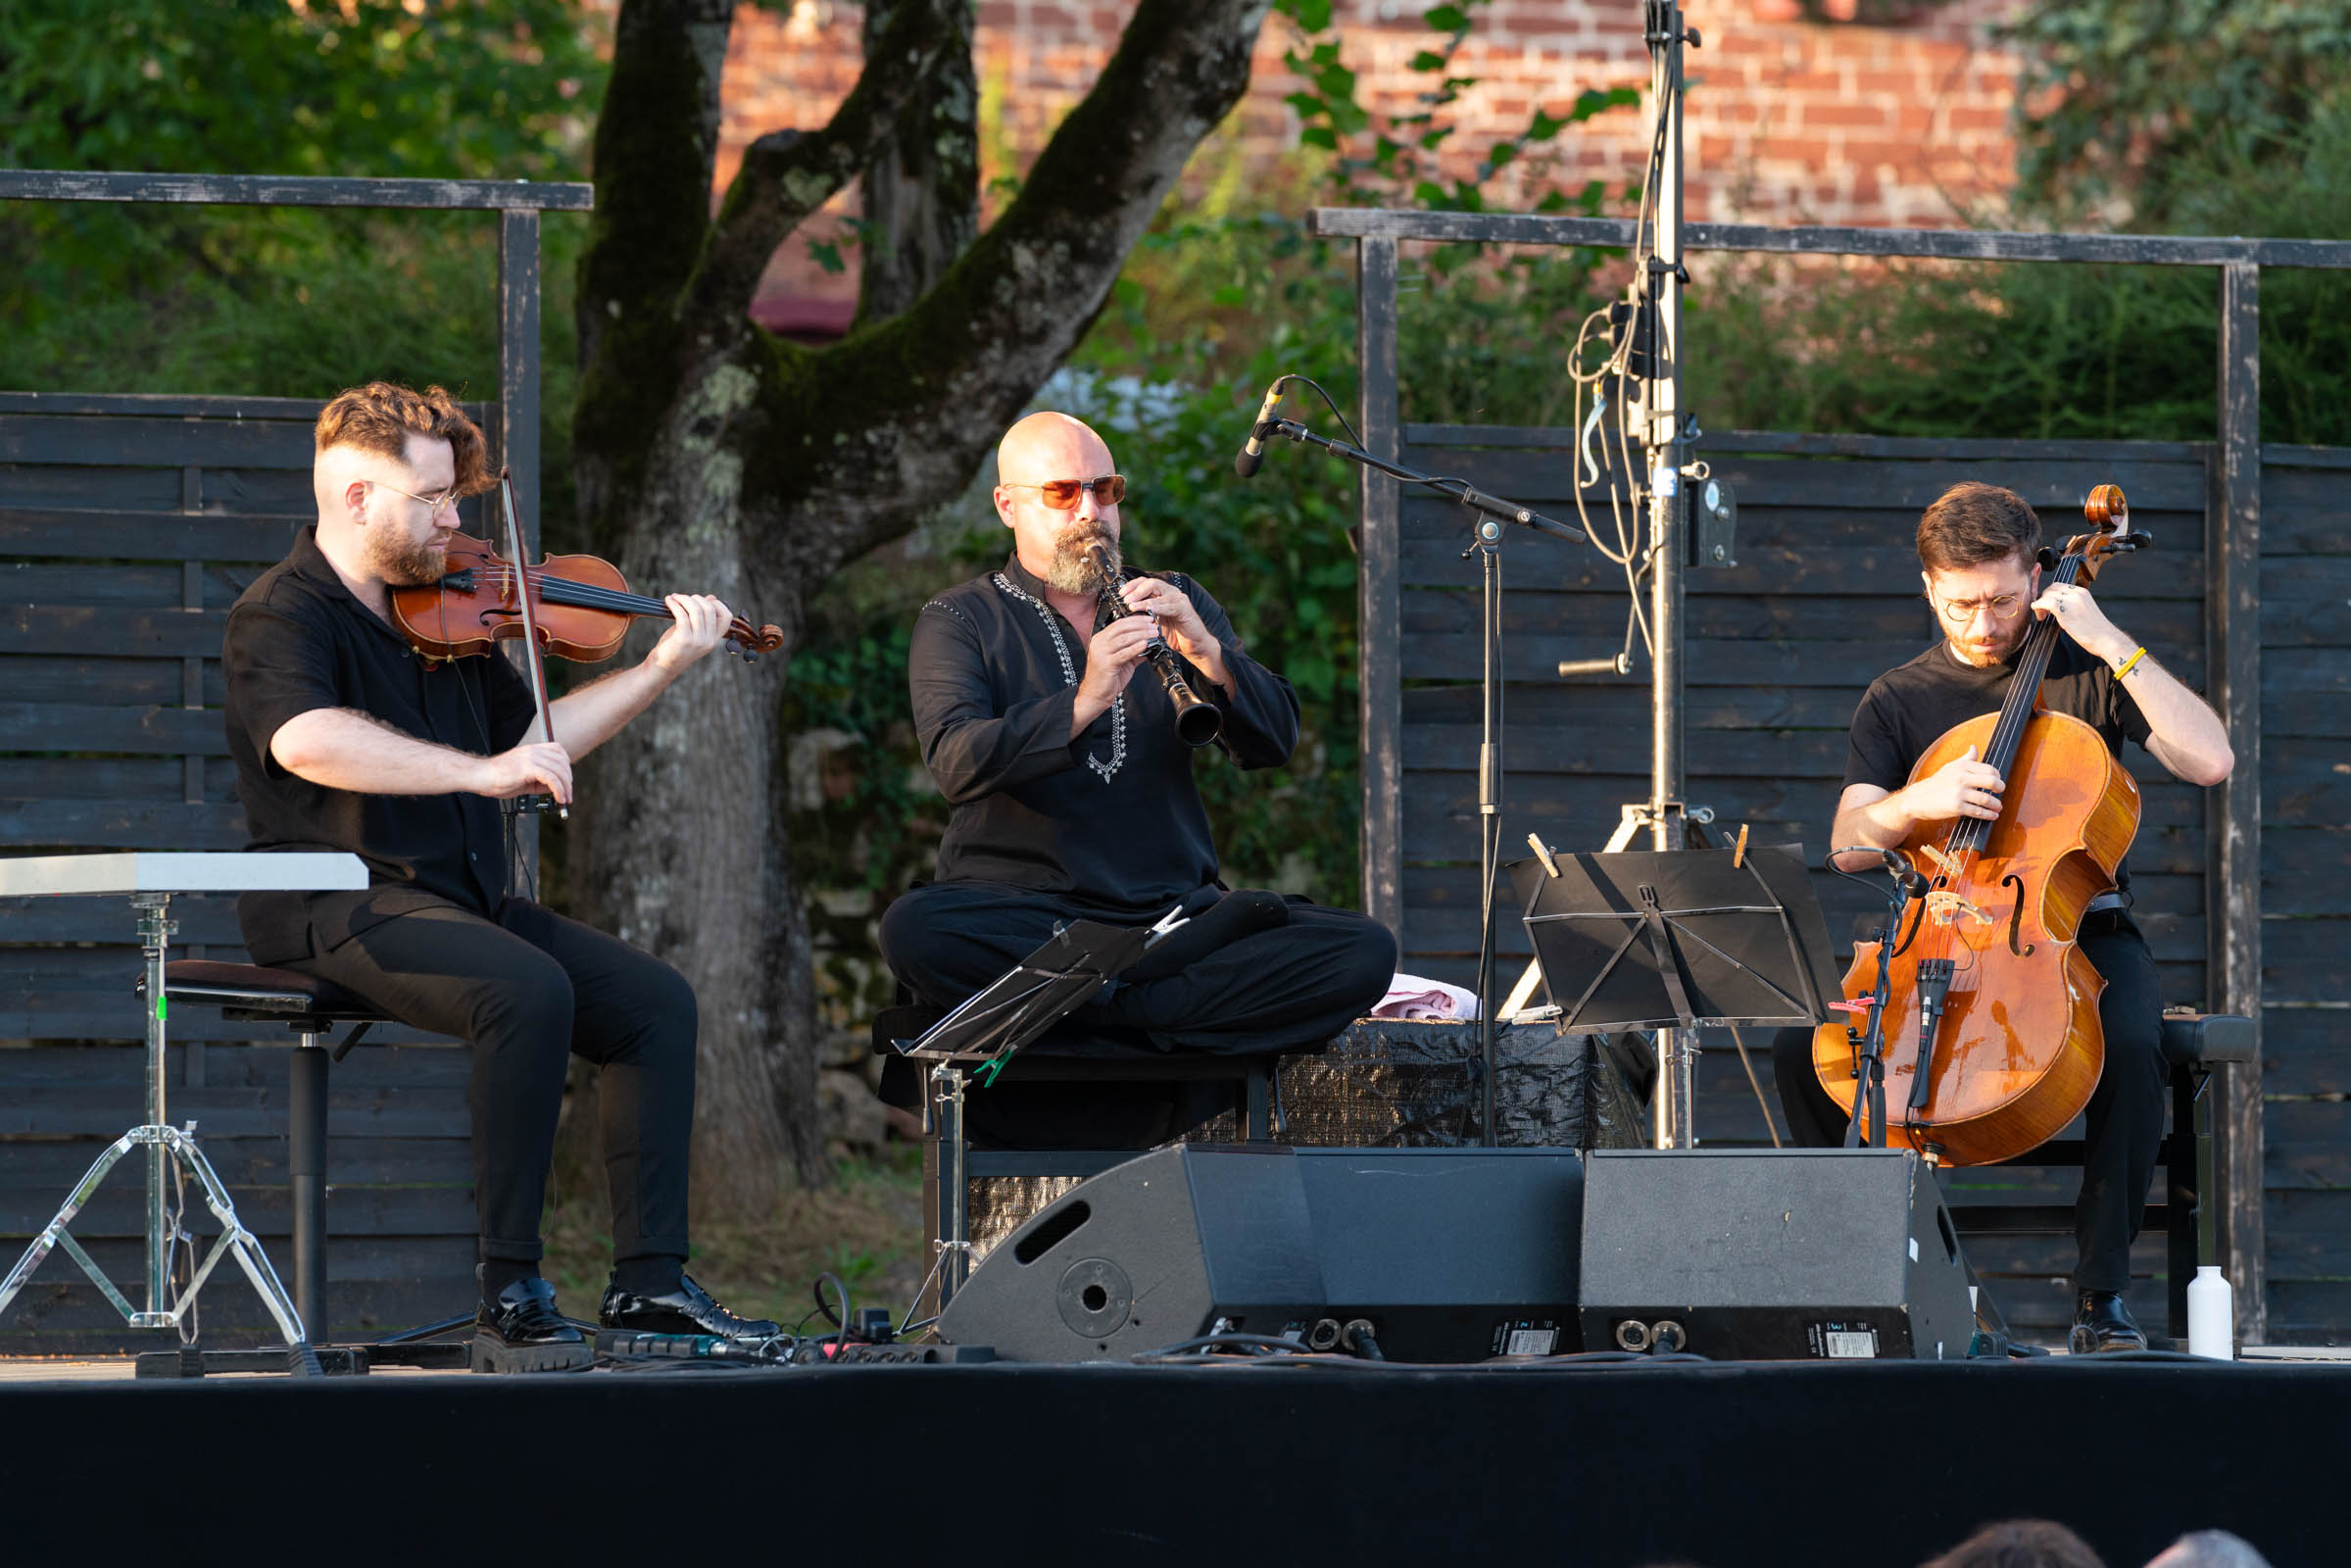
[1978, 549]
[346, 739]
[1072, 791]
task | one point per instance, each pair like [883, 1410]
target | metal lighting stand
[150, 881]
[1658, 287]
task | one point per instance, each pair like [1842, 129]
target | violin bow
[532, 662]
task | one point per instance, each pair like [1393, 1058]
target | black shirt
[297, 640]
[1910, 707]
[1112, 819]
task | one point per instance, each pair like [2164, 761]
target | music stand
[1678, 939]
[994, 1025]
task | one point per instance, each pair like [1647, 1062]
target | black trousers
[2121, 1126]
[1295, 985]
[529, 989]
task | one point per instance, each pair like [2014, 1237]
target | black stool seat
[249, 991]
[2196, 1039]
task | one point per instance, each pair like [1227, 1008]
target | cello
[1992, 1036]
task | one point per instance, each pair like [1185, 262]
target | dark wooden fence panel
[2305, 888]
[129, 525]
[1823, 596]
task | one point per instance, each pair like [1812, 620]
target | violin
[1991, 1012]
[579, 604]
[573, 607]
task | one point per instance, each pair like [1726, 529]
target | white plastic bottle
[2211, 1315]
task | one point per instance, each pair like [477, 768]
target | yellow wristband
[2125, 668]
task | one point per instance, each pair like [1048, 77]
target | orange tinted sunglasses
[1062, 494]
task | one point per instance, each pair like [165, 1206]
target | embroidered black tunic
[1112, 819]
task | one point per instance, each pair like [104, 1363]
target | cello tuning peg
[2138, 540]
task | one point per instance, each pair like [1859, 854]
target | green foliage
[2133, 100]
[282, 301]
[2048, 352]
[1401, 166]
[496, 89]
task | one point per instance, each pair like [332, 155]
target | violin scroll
[753, 643]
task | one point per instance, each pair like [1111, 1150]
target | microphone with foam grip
[1253, 454]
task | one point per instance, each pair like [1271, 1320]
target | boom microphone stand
[1488, 514]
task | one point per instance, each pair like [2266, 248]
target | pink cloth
[1413, 998]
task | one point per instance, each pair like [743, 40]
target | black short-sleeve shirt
[1909, 707]
[297, 640]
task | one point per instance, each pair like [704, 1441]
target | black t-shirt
[297, 640]
[1113, 818]
[1909, 707]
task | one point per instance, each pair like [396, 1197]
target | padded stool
[2196, 1045]
[249, 993]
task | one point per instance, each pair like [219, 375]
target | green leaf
[827, 255]
[1427, 60]
[1445, 18]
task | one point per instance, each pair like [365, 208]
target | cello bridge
[1945, 907]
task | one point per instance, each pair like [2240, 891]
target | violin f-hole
[2016, 916]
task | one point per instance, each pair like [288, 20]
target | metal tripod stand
[149, 881]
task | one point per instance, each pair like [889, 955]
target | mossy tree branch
[785, 177]
[894, 419]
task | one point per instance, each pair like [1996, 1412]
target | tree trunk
[922, 183]
[715, 459]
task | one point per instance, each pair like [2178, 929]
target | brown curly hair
[1974, 524]
[380, 417]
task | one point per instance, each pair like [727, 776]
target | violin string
[586, 596]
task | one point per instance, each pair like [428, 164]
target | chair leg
[2186, 1172]
[1258, 1102]
[306, 1175]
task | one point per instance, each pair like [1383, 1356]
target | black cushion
[2200, 1039]
[245, 988]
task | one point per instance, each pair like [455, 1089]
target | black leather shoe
[2101, 1323]
[688, 1309]
[522, 1332]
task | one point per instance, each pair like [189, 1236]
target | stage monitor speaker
[1772, 1256]
[1450, 1254]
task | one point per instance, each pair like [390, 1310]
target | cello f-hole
[2016, 916]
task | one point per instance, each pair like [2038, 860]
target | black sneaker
[522, 1332]
[687, 1309]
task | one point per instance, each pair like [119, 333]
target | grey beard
[1072, 570]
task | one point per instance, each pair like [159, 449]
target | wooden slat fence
[129, 525]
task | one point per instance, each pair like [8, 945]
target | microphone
[1914, 886]
[1251, 455]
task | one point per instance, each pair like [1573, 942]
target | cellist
[1979, 548]
[346, 739]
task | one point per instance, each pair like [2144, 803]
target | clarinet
[1197, 719]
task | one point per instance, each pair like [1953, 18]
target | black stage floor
[1609, 1466]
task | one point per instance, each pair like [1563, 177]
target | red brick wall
[1786, 120]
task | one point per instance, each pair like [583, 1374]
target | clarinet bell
[1196, 721]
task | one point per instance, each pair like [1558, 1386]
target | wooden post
[2232, 822]
[518, 432]
[1380, 608]
[518, 360]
